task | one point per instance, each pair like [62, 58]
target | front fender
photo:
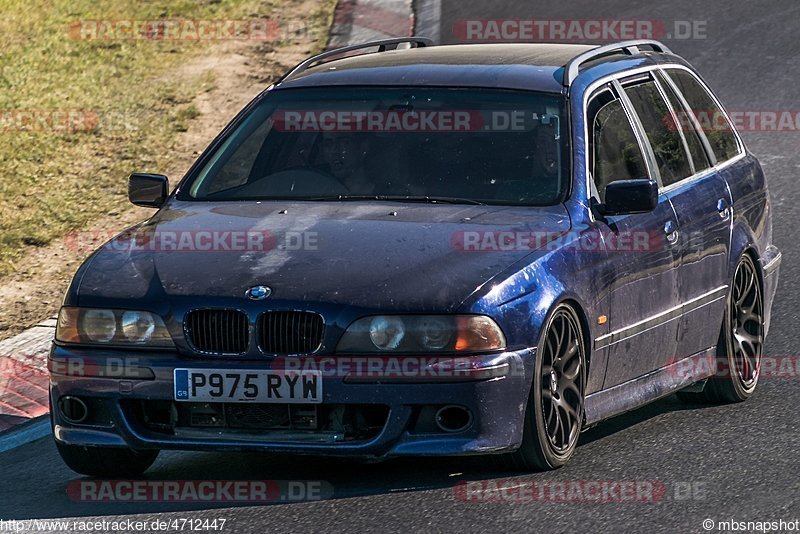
[523, 300]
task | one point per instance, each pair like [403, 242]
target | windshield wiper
[403, 198]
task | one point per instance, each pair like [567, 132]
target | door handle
[671, 232]
[723, 209]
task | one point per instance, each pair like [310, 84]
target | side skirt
[650, 387]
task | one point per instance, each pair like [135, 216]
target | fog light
[453, 419]
[73, 410]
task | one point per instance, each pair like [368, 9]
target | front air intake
[217, 331]
[290, 332]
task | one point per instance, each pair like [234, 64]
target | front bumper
[497, 406]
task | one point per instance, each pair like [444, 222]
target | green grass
[53, 183]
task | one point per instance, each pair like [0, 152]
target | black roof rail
[572, 69]
[382, 46]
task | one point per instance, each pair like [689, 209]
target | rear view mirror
[625, 197]
[148, 190]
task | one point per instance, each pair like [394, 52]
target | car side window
[715, 124]
[667, 143]
[614, 151]
[682, 122]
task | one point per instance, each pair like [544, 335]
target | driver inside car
[344, 157]
[542, 178]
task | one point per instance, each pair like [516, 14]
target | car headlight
[138, 327]
[422, 333]
[112, 327]
[387, 333]
[100, 325]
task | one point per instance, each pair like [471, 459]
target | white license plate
[222, 385]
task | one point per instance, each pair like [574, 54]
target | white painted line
[25, 433]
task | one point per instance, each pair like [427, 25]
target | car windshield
[409, 144]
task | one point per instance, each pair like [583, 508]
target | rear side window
[681, 120]
[615, 152]
[667, 143]
[715, 124]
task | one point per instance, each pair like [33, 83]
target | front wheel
[554, 414]
[106, 462]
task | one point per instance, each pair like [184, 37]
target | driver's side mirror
[626, 197]
[148, 190]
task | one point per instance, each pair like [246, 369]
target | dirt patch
[232, 75]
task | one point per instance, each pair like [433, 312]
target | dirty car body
[408, 301]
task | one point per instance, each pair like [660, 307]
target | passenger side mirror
[148, 190]
[625, 197]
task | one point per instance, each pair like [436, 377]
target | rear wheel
[741, 341]
[107, 462]
[554, 415]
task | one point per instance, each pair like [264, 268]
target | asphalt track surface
[742, 462]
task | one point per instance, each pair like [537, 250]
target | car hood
[372, 255]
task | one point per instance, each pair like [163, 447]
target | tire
[741, 342]
[106, 462]
[554, 413]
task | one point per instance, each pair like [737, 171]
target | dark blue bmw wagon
[401, 249]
